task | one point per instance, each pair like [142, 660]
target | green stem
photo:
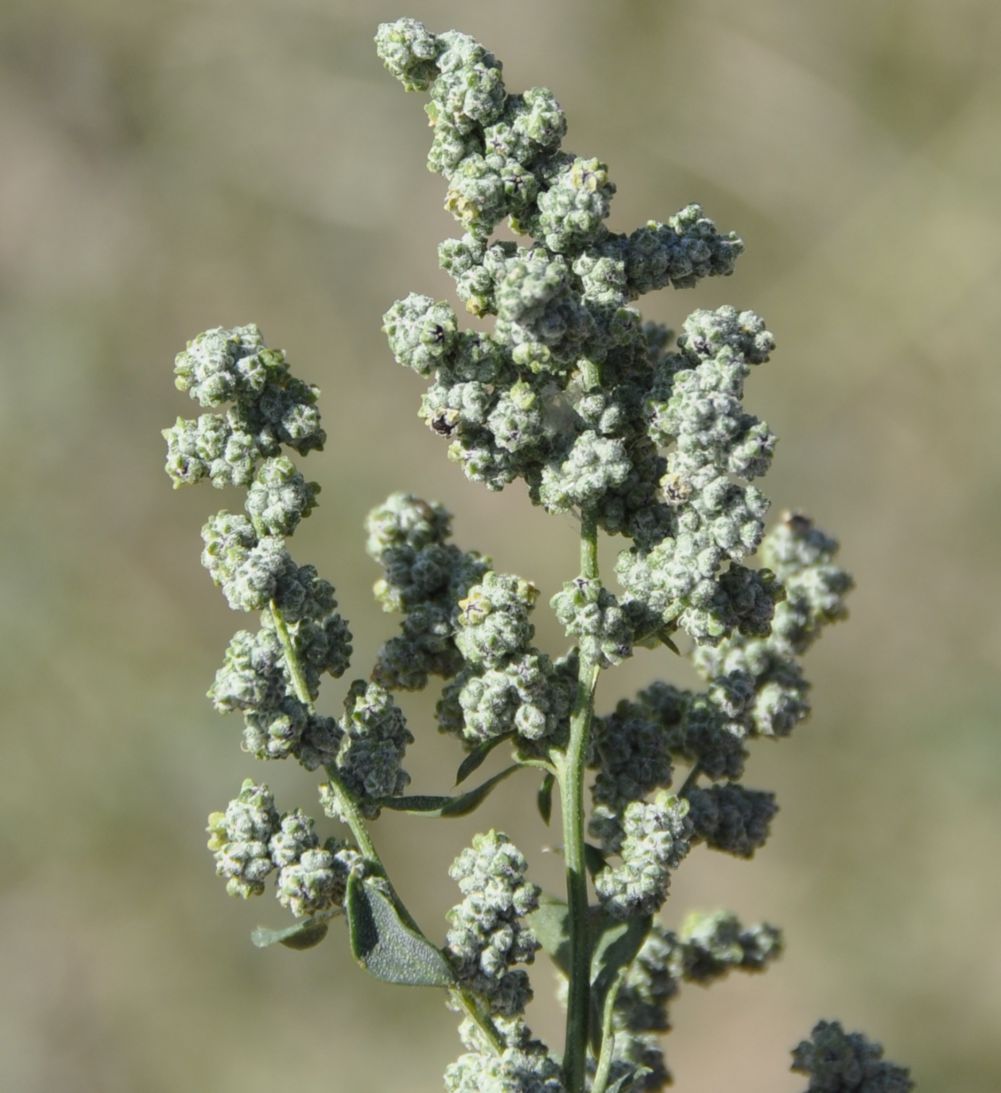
[356, 824]
[571, 781]
[604, 1064]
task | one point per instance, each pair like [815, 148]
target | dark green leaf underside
[385, 946]
[460, 805]
[303, 935]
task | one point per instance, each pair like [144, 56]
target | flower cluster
[368, 762]
[250, 840]
[272, 675]
[846, 1062]
[425, 578]
[637, 433]
[706, 947]
[656, 836]
[523, 1065]
[506, 684]
[525, 401]
[486, 936]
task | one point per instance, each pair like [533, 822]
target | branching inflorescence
[636, 433]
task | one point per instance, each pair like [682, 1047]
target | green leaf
[545, 798]
[665, 637]
[303, 935]
[550, 922]
[624, 1082]
[615, 947]
[475, 758]
[385, 945]
[594, 859]
[460, 805]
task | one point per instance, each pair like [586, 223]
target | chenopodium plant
[637, 433]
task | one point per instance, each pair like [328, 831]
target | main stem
[571, 779]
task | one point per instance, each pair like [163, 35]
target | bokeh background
[169, 166]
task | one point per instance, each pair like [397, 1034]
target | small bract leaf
[594, 859]
[476, 757]
[545, 798]
[460, 805]
[616, 944]
[626, 1081]
[550, 922]
[303, 935]
[385, 946]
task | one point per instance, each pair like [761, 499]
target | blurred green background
[172, 165]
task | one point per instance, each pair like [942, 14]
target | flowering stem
[352, 817]
[571, 780]
[468, 1004]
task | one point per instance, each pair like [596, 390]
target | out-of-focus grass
[170, 166]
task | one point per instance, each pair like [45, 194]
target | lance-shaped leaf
[613, 943]
[302, 935]
[594, 859]
[385, 945]
[460, 805]
[544, 799]
[475, 758]
[626, 1081]
[550, 922]
[616, 944]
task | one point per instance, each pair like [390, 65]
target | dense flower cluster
[636, 432]
[368, 762]
[846, 1062]
[523, 1065]
[706, 947]
[656, 836]
[566, 392]
[486, 936]
[250, 840]
[272, 675]
[506, 684]
[425, 578]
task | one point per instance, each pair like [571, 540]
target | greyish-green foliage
[638, 433]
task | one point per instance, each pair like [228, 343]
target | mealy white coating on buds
[317, 880]
[270, 407]
[493, 623]
[250, 841]
[421, 332]
[591, 615]
[529, 696]
[506, 684]
[656, 837]
[532, 124]
[240, 837]
[280, 497]
[557, 302]
[409, 51]
[572, 209]
[425, 578]
[210, 446]
[847, 1062]
[714, 944]
[371, 752]
[601, 415]
[525, 1068]
[815, 588]
[765, 670]
[487, 935]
